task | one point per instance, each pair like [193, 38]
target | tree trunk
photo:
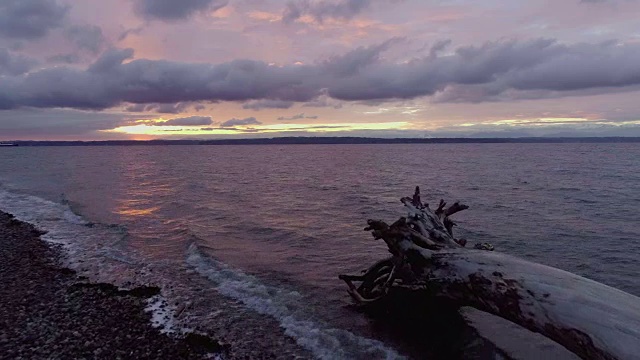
[590, 319]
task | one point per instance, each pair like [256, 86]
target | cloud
[541, 128]
[581, 66]
[110, 60]
[169, 108]
[176, 108]
[323, 100]
[128, 32]
[36, 123]
[240, 122]
[109, 81]
[11, 64]
[322, 9]
[71, 58]
[136, 108]
[500, 67]
[185, 121]
[297, 117]
[353, 61]
[438, 47]
[30, 19]
[172, 10]
[495, 70]
[86, 37]
[267, 104]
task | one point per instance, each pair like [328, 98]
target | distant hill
[335, 140]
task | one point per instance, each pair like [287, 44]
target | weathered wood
[590, 319]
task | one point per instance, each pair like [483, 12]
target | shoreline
[338, 140]
[48, 311]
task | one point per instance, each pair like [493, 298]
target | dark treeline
[334, 140]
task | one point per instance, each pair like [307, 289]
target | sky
[201, 69]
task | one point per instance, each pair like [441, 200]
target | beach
[49, 312]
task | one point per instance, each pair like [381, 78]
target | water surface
[253, 237]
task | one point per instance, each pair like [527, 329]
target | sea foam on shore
[49, 312]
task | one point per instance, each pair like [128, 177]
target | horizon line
[329, 140]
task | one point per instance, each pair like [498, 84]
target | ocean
[248, 241]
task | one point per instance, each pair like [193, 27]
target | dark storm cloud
[176, 108]
[267, 104]
[11, 64]
[493, 68]
[581, 66]
[87, 37]
[185, 121]
[30, 19]
[172, 10]
[240, 122]
[499, 67]
[109, 82]
[322, 9]
[136, 108]
[169, 108]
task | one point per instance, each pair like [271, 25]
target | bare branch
[456, 207]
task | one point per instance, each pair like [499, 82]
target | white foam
[43, 214]
[84, 243]
[87, 247]
[286, 307]
[81, 241]
[61, 225]
[162, 314]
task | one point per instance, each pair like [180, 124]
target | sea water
[247, 241]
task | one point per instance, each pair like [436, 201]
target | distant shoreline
[334, 141]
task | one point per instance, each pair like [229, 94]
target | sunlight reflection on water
[293, 216]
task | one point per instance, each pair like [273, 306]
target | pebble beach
[48, 312]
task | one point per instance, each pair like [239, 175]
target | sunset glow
[275, 128]
[143, 69]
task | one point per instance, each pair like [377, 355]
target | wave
[81, 239]
[93, 247]
[89, 248]
[288, 308]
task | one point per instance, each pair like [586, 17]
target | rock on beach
[47, 312]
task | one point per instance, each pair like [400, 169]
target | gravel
[48, 312]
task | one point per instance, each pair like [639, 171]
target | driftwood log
[590, 319]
